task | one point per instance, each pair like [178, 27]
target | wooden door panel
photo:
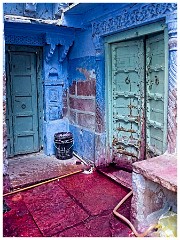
[127, 100]
[155, 79]
[24, 102]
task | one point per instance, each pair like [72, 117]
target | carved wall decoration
[55, 40]
[33, 40]
[171, 21]
[53, 95]
[50, 51]
[132, 17]
[53, 103]
[53, 74]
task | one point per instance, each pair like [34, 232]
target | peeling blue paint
[87, 63]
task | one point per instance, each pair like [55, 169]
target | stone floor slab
[18, 222]
[76, 206]
[33, 168]
[52, 209]
[94, 227]
[95, 192]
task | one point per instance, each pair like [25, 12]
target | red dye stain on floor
[77, 206]
[94, 192]
[18, 222]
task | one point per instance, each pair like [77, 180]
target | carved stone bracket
[50, 52]
[62, 41]
[63, 51]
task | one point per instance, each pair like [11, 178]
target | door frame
[39, 83]
[120, 37]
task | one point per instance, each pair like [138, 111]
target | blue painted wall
[54, 71]
[36, 10]
[81, 68]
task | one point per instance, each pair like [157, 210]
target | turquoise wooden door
[128, 100]
[138, 101]
[22, 112]
[156, 102]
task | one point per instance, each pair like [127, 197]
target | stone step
[120, 176]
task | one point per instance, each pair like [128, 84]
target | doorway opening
[24, 99]
[137, 97]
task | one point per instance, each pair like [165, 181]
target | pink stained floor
[77, 206]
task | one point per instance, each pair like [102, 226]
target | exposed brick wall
[81, 99]
[86, 120]
[86, 88]
[65, 103]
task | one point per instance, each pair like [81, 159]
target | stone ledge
[161, 169]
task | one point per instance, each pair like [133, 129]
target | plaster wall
[150, 200]
[81, 94]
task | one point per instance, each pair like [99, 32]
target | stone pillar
[55, 78]
[100, 135]
[171, 21]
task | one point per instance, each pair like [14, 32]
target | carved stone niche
[61, 42]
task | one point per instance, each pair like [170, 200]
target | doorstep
[161, 169]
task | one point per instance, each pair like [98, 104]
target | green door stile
[136, 70]
[22, 101]
[155, 56]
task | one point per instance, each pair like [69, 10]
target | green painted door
[127, 100]
[138, 99]
[156, 98]
[22, 111]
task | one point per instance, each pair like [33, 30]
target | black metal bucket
[63, 142]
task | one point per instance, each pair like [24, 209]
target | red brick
[82, 104]
[86, 120]
[64, 99]
[72, 116]
[86, 88]
[65, 111]
[72, 88]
